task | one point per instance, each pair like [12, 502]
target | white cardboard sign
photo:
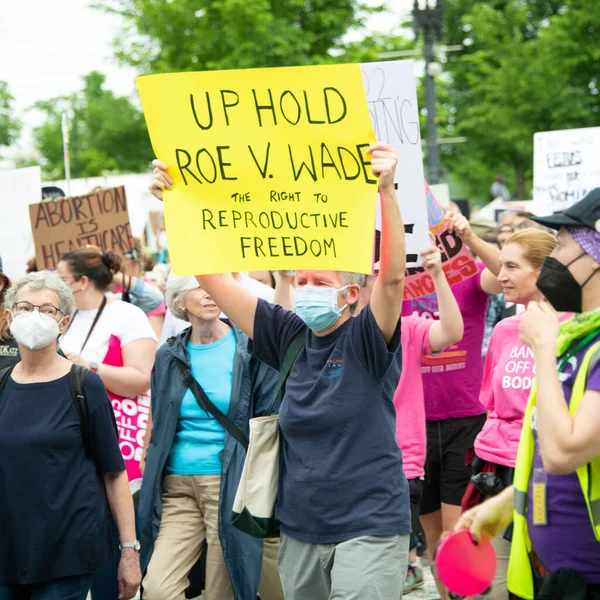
[20, 188]
[566, 166]
[391, 91]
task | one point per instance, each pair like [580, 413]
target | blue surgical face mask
[318, 307]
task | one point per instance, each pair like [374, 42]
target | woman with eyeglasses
[115, 340]
[56, 489]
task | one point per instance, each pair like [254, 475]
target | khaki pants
[189, 521]
[270, 584]
[499, 586]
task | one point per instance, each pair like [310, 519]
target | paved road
[427, 592]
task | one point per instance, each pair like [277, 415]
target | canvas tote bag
[254, 504]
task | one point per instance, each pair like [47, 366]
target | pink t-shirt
[507, 377]
[452, 379]
[408, 398]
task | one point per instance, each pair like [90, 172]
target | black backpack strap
[4, 375]
[77, 379]
[289, 360]
[208, 407]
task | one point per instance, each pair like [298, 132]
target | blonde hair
[536, 243]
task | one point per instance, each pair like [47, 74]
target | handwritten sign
[457, 261]
[269, 167]
[391, 92]
[98, 219]
[565, 166]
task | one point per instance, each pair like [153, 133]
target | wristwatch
[135, 545]
[93, 367]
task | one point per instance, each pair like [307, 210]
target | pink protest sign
[132, 419]
[457, 261]
[131, 415]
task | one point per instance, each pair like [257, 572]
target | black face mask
[559, 287]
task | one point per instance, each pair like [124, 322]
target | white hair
[42, 280]
[177, 288]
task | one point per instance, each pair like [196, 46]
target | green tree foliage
[108, 133]
[528, 66]
[182, 35]
[9, 126]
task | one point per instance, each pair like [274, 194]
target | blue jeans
[67, 588]
[105, 585]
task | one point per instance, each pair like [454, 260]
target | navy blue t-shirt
[53, 506]
[341, 474]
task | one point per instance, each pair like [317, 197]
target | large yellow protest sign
[269, 167]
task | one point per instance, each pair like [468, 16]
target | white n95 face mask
[34, 331]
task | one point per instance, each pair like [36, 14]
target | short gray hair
[350, 278]
[42, 280]
[178, 287]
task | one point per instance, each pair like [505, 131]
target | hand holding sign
[161, 180]
[383, 164]
[432, 259]
[459, 225]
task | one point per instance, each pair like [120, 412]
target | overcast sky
[47, 45]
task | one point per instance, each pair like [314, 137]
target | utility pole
[430, 19]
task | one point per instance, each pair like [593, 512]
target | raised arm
[488, 253]
[450, 327]
[386, 300]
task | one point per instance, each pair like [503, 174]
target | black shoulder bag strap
[77, 378]
[4, 375]
[289, 360]
[208, 407]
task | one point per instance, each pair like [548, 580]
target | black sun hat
[586, 213]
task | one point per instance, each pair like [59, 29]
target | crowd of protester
[381, 454]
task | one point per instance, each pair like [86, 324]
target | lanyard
[95, 322]
[578, 348]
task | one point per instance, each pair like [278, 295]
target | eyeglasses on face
[47, 311]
